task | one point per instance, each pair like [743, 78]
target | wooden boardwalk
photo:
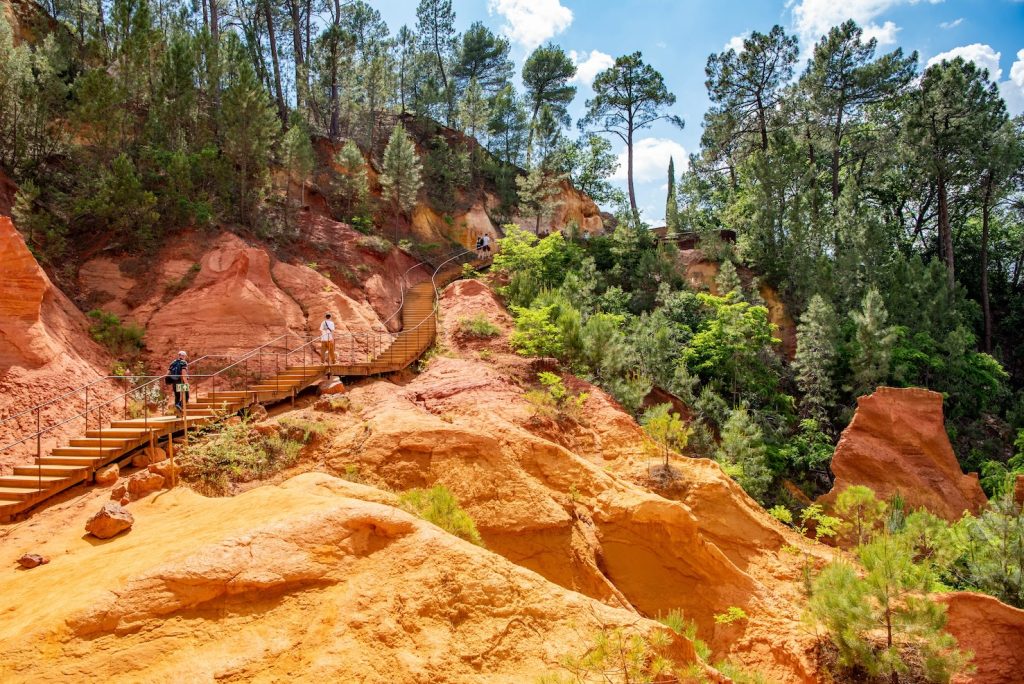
[77, 463]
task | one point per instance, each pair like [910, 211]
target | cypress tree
[671, 203]
[875, 340]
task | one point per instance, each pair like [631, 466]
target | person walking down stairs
[177, 378]
[327, 354]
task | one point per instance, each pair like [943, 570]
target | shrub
[732, 614]
[176, 287]
[478, 326]
[236, 454]
[536, 334]
[123, 340]
[439, 506]
[555, 401]
[374, 243]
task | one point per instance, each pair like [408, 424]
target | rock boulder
[109, 521]
[108, 475]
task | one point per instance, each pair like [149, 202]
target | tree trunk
[300, 88]
[836, 140]
[945, 234]
[214, 23]
[629, 172]
[335, 102]
[206, 16]
[282, 111]
[985, 306]
[762, 121]
[101, 21]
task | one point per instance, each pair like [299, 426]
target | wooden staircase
[66, 466]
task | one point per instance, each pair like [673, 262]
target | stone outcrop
[107, 476]
[992, 630]
[109, 521]
[315, 578]
[897, 442]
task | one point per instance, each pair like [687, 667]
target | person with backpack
[177, 377]
[327, 341]
[479, 247]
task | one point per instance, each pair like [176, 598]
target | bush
[555, 401]
[374, 243]
[536, 334]
[478, 326]
[237, 454]
[123, 340]
[439, 506]
[176, 287]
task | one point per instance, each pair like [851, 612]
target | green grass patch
[478, 326]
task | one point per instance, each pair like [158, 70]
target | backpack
[174, 372]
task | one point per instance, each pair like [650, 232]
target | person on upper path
[327, 354]
[177, 377]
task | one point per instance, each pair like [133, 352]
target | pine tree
[473, 111]
[353, 184]
[402, 176]
[728, 280]
[537, 192]
[875, 340]
[743, 452]
[298, 158]
[249, 127]
[815, 358]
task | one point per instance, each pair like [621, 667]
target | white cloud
[1017, 70]
[884, 34]
[531, 22]
[587, 69]
[1013, 89]
[736, 42]
[650, 159]
[982, 55]
[813, 18]
[951, 24]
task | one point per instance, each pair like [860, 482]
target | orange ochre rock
[313, 579]
[897, 442]
[990, 629]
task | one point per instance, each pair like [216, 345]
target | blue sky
[676, 37]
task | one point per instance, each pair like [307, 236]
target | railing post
[86, 408]
[39, 448]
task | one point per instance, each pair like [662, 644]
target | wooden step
[50, 470]
[33, 481]
[118, 433]
[105, 441]
[19, 493]
[78, 461]
[95, 452]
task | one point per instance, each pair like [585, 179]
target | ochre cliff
[897, 442]
[317, 578]
[45, 347]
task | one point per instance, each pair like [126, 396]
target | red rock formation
[992, 630]
[45, 347]
[897, 442]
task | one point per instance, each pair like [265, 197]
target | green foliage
[402, 175]
[621, 655]
[375, 244]
[862, 514]
[889, 599]
[993, 552]
[555, 401]
[123, 340]
[666, 428]
[875, 340]
[445, 170]
[781, 513]
[536, 334]
[478, 326]
[121, 205]
[732, 614]
[742, 446]
[439, 506]
[352, 182]
[236, 454]
[816, 358]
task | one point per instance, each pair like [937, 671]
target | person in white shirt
[327, 341]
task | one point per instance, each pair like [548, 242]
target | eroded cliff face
[572, 501]
[45, 347]
[317, 578]
[897, 442]
[220, 294]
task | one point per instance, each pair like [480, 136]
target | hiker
[479, 247]
[486, 246]
[177, 377]
[327, 341]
